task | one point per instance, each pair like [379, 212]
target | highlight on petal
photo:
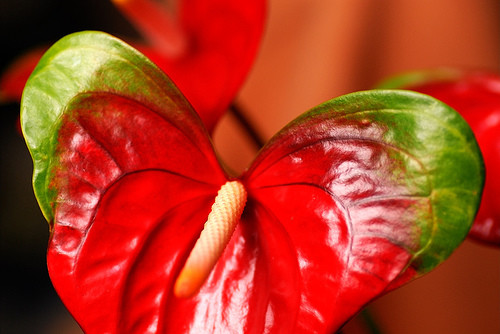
[370, 190]
[125, 179]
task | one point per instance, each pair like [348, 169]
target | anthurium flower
[149, 234]
[475, 94]
[206, 48]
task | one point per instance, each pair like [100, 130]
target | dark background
[28, 302]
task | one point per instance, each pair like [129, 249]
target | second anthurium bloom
[206, 47]
[149, 234]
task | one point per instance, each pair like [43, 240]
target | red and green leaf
[134, 188]
[352, 199]
[374, 175]
[99, 64]
[476, 96]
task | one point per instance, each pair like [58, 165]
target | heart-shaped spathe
[352, 199]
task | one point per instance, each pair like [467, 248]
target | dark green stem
[370, 322]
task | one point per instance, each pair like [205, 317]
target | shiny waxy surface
[476, 96]
[354, 198]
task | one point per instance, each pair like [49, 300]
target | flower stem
[237, 111]
[370, 322]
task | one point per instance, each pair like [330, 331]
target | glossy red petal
[133, 193]
[353, 253]
[353, 190]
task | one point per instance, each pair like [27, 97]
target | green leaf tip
[441, 150]
[84, 62]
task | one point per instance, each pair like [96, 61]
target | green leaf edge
[451, 226]
[62, 74]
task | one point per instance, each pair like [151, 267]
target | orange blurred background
[313, 50]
